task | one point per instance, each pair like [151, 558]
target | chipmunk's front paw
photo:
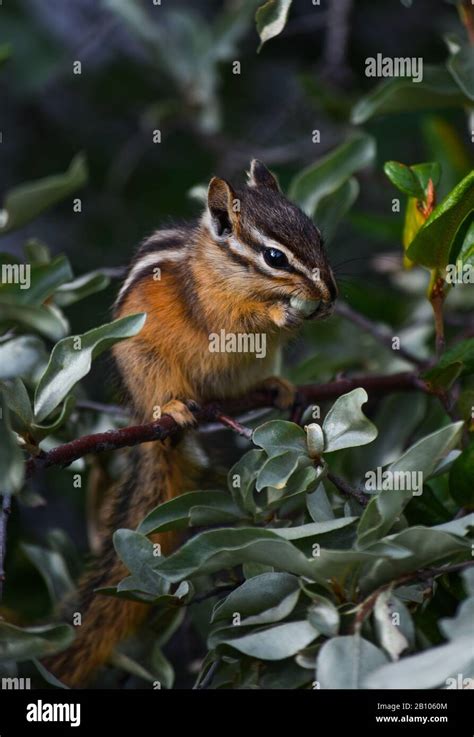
[181, 412]
[285, 391]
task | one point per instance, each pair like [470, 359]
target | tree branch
[349, 490]
[64, 455]
[381, 334]
[366, 607]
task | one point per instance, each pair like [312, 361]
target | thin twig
[368, 604]
[234, 425]
[336, 41]
[349, 490]
[107, 409]
[64, 455]
[437, 298]
[381, 334]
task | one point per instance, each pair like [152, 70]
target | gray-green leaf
[71, 360]
[345, 425]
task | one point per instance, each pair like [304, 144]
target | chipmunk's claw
[285, 391]
[181, 412]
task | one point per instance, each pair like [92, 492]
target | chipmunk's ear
[224, 206]
[260, 176]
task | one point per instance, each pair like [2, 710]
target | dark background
[304, 79]
[164, 74]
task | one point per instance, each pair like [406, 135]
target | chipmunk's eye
[275, 258]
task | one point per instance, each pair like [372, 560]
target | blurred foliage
[324, 591]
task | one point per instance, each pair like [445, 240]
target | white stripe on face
[240, 248]
[149, 260]
[292, 259]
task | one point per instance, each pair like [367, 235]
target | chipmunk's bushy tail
[156, 474]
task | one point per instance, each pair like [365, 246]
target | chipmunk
[253, 263]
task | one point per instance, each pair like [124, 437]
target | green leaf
[298, 483]
[162, 668]
[437, 90]
[46, 320]
[271, 19]
[344, 662]
[462, 624]
[52, 568]
[42, 431]
[460, 357]
[462, 251]
[319, 506]
[176, 514]
[20, 644]
[425, 172]
[276, 471]
[18, 401]
[461, 63]
[313, 529]
[47, 676]
[468, 580]
[422, 459]
[278, 436]
[83, 286]
[139, 555]
[429, 669]
[216, 550]
[44, 279]
[444, 144]
[25, 202]
[12, 469]
[389, 634]
[426, 454]
[269, 597]
[71, 360]
[129, 665]
[324, 616]
[273, 643]
[333, 208]
[404, 179]
[241, 478]
[37, 252]
[414, 219]
[21, 356]
[428, 546]
[329, 173]
[413, 181]
[345, 426]
[461, 476]
[432, 244]
[443, 378]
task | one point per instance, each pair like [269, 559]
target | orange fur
[169, 362]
